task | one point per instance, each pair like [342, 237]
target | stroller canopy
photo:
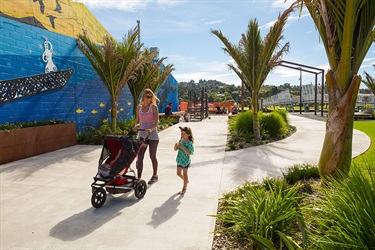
[111, 148]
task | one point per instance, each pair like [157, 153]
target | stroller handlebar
[132, 132]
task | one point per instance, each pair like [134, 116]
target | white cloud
[291, 18]
[171, 3]
[130, 6]
[267, 25]
[127, 5]
[367, 65]
[281, 4]
[297, 16]
[215, 22]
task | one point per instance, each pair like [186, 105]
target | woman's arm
[136, 119]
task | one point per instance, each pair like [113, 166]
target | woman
[148, 119]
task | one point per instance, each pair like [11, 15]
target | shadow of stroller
[166, 211]
[89, 220]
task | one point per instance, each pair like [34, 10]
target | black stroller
[114, 173]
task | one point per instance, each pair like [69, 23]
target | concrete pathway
[45, 200]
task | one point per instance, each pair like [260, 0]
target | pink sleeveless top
[146, 120]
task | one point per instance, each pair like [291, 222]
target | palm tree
[115, 64]
[370, 82]
[151, 75]
[255, 58]
[346, 29]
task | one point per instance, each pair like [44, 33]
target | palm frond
[346, 29]
[369, 82]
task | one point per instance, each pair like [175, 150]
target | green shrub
[165, 122]
[242, 124]
[284, 115]
[263, 214]
[301, 172]
[232, 146]
[274, 125]
[96, 136]
[344, 218]
[17, 125]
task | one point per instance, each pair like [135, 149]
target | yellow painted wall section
[61, 16]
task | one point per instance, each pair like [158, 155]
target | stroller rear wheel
[140, 189]
[98, 197]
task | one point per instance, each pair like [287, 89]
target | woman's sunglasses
[149, 96]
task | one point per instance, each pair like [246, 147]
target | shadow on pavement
[166, 211]
[84, 223]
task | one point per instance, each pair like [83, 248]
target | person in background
[148, 119]
[168, 109]
[234, 110]
[186, 116]
[185, 149]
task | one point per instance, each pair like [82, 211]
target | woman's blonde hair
[149, 91]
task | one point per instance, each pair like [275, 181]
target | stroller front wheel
[140, 189]
[98, 197]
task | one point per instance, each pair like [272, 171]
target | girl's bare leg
[179, 173]
[186, 180]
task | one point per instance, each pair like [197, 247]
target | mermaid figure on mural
[47, 56]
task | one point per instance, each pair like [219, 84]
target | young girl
[185, 149]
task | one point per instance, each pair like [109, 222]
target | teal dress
[182, 158]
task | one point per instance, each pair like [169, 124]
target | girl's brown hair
[188, 131]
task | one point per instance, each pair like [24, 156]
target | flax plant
[344, 217]
[264, 214]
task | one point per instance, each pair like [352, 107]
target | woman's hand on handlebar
[136, 127]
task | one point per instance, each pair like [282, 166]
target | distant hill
[220, 92]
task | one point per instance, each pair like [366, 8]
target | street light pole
[139, 32]
[242, 97]
[300, 90]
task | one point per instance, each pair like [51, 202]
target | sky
[181, 30]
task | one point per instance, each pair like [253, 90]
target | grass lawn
[367, 158]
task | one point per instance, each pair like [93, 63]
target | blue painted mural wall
[168, 92]
[84, 99]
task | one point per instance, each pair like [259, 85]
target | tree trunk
[337, 147]
[135, 105]
[113, 116]
[255, 109]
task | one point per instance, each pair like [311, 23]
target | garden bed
[26, 142]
